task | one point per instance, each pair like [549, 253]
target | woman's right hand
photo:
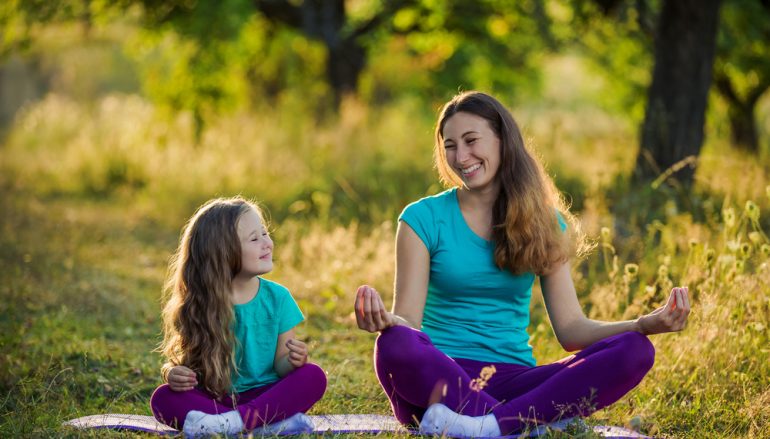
[181, 379]
[370, 310]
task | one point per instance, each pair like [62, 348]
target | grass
[91, 215]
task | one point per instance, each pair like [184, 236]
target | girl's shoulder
[273, 289]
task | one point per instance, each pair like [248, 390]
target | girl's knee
[314, 373]
[315, 378]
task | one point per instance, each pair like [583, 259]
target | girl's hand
[370, 311]
[297, 353]
[181, 379]
[671, 317]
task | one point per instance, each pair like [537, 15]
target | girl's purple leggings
[415, 374]
[294, 393]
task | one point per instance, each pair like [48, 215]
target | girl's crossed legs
[415, 374]
[294, 393]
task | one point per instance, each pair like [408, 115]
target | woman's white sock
[299, 423]
[199, 424]
[440, 420]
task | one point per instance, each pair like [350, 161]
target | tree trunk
[325, 20]
[672, 132]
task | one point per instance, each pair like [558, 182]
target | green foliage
[619, 42]
[492, 46]
[743, 51]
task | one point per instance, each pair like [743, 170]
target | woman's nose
[463, 153]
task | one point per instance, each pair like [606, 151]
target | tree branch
[280, 11]
[388, 10]
[725, 88]
[758, 91]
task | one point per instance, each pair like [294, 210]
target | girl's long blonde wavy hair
[198, 313]
[525, 227]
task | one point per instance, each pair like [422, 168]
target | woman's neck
[244, 289]
[476, 208]
[478, 201]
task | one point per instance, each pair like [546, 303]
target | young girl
[233, 363]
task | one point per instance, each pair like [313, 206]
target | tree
[742, 67]
[329, 22]
[672, 132]
[326, 21]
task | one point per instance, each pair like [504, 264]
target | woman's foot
[440, 420]
[199, 424]
[299, 423]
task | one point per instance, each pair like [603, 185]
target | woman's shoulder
[437, 202]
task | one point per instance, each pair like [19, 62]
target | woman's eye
[471, 141]
[449, 146]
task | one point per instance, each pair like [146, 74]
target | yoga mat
[323, 423]
[347, 423]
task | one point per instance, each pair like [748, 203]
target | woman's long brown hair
[525, 227]
[198, 314]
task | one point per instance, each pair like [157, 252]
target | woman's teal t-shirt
[257, 325]
[473, 310]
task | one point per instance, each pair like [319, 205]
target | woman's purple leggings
[415, 374]
[294, 393]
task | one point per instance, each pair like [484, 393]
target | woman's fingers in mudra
[682, 307]
[370, 310]
[670, 317]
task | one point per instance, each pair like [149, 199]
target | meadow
[94, 196]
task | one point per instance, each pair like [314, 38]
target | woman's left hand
[671, 317]
[297, 353]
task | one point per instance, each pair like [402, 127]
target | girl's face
[256, 245]
[472, 150]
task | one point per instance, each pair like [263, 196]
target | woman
[453, 355]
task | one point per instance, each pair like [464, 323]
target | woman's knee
[639, 351]
[399, 344]
[160, 394]
[160, 400]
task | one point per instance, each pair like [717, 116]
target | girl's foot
[199, 424]
[299, 423]
[440, 420]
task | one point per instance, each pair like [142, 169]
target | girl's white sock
[199, 424]
[440, 420]
[299, 423]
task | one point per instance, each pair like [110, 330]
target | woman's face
[472, 150]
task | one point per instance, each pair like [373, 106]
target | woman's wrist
[639, 326]
[397, 320]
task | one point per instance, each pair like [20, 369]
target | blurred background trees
[662, 61]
